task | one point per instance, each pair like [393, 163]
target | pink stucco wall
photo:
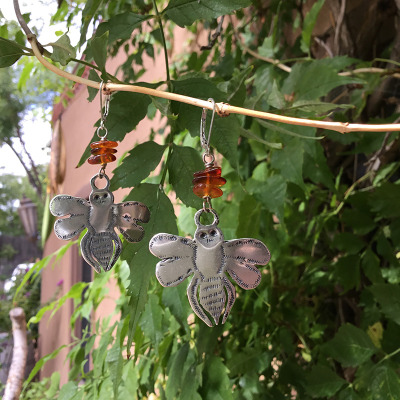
[77, 122]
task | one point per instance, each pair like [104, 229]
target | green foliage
[324, 321]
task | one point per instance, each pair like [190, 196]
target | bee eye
[213, 233]
[203, 235]
[96, 196]
[105, 195]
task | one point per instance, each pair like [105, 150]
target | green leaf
[371, 266]
[253, 136]
[138, 165]
[92, 91]
[385, 384]
[174, 372]
[185, 12]
[126, 111]
[62, 50]
[114, 362]
[151, 320]
[347, 271]
[278, 128]
[216, 385]
[175, 299]
[276, 98]
[289, 162]
[308, 25]
[385, 200]
[310, 81]
[88, 12]
[351, 346]
[98, 46]
[10, 52]
[323, 382]
[388, 296]
[141, 262]
[271, 193]
[69, 391]
[183, 163]
[121, 26]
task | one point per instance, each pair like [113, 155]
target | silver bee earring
[100, 246]
[208, 256]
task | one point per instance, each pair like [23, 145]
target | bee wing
[128, 214]
[242, 256]
[77, 208]
[177, 258]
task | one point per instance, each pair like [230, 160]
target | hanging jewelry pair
[100, 246]
[208, 256]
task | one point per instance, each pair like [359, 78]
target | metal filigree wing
[242, 256]
[78, 210]
[128, 216]
[177, 258]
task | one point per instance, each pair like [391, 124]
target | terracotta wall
[77, 121]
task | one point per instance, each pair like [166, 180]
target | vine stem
[222, 109]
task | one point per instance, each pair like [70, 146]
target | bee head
[101, 198]
[208, 235]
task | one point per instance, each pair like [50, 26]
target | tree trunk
[20, 351]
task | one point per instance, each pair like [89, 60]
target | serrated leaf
[276, 98]
[62, 50]
[385, 384]
[289, 162]
[174, 372]
[121, 26]
[114, 362]
[10, 52]
[271, 193]
[151, 320]
[308, 25]
[351, 346]
[138, 165]
[385, 200]
[88, 12]
[176, 300]
[310, 81]
[388, 296]
[185, 12]
[69, 391]
[323, 382]
[347, 271]
[141, 262]
[216, 385]
[98, 47]
[183, 163]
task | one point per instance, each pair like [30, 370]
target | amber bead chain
[102, 152]
[207, 182]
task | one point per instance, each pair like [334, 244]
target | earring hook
[205, 142]
[104, 114]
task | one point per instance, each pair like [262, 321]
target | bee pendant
[101, 246]
[208, 256]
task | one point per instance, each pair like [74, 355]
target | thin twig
[213, 38]
[338, 29]
[222, 109]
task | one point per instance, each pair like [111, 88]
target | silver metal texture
[205, 142]
[100, 246]
[207, 257]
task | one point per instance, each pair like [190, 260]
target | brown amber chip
[207, 183]
[103, 143]
[102, 152]
[101, 159]
[202, 190]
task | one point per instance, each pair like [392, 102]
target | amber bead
[102, 152]
[207, 183]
